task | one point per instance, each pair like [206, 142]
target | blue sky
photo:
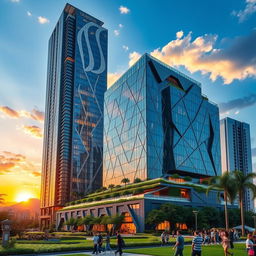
[212, 41]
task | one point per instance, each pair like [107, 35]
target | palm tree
[125, 181]
[226, 183]
[111, 186]
[2, 198]
[243, 182]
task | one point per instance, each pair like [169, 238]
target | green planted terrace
[134, 190]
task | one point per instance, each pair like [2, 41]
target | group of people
[98, 241]
[199, 239]
[214, 236]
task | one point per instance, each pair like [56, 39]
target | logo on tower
[83, 35]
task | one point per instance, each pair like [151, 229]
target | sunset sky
[212, 41]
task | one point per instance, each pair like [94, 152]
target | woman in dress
[225, 244]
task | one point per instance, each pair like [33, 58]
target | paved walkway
[89, 253]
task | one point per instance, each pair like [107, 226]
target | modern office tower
[158, 123]
[236, 151]
[73, 137]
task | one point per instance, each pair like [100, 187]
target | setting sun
[23, 197]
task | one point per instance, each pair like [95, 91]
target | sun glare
[23, 197]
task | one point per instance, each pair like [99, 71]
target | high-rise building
[236, 151]
[158, 123]
[73, 134]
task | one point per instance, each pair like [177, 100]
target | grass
[77, 254]
[212, 250]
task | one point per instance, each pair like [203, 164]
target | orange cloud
[236, 61]
[34, 114]
[36, 174]
[9, 160]
[9, 112]
[112, 77]
[33, 130]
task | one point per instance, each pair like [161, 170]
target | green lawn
[212, 250]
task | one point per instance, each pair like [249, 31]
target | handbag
[251, 252]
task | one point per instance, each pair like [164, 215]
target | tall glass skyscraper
[236, 151]
[73, 134]
[157, 123]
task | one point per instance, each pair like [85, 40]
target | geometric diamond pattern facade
[157, 122]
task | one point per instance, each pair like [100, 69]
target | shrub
[116, 194]
[85, 200]
[138, 191]
[175, 176]
[107, 196]
[118, 186]
[73, 203]
[90, 199]
[126, 192]
[137, 180]
[97, 198]
[187, 178]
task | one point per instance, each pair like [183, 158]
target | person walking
[179, 245]
[231, 238]
[95, 240]
[249, 244]
[225, 243]
[197, 244]
[107, 245]
[120, 244]
[100, 242]
[163, 238]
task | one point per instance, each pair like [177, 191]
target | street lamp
[196, 213]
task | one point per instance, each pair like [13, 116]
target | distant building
[157, 123]
[73, 133]
[236, 151]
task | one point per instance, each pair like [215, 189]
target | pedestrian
[107, 245]
[167, 237]
[100, 242]
[212, 236]
[179, 245]
[225, 243]
[231, 238]
[249, 245]
[163, 238]
[197, 244]
[120, 244]
[95, 240]
[254, 242]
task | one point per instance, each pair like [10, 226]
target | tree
[173, 213]
[226, 183]
[155, 217]
[137, 180]
[111, 186]
[2, 198]
[125, 181]
[243, 182]
[116, 220]
[88, 222]
[72, 222]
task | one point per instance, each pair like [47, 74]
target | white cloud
[249, 9]
[29, 13]
[125, 47]
[15, 1]
[123, 10]
[134, 56]
[42, 20]
[179, 34]
[116, 32]
[120, 25]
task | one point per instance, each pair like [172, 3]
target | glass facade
[76, 82]
[157, 122]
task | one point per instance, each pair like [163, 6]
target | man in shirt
[179, 245]
[197, 244]
[95, 240]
